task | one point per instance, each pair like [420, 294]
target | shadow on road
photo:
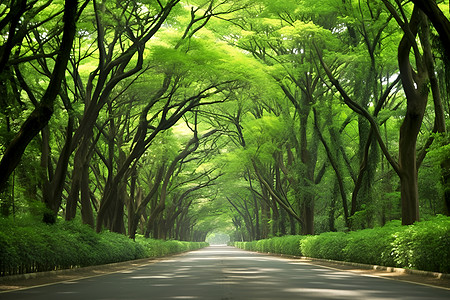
[227, 273]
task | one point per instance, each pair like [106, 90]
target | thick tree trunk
[337, 170]
[293, 225]
[137, 210]
[407, 161]
[416, 91]
[332, 208]
[276, 214]
[265, 216]
[257, 218]
[133, 219]
[47, 175]
[81, 162]
[255, 207]
[87, 213]
[307, 152]
[117, 223]
[308, 215]
[59, 178]
[309, 162]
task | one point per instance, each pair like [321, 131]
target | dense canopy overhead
[182, 119]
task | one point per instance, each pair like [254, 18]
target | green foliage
[157, 248]
[28, 246]
[288, 244]
[280, 245]
[218, 238]
[424, 245]
[439, 151]
[328, 245]
[267, 45]
[431, 190]
[372, 246]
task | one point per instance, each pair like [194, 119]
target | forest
[182, 120]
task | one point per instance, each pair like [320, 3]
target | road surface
[229, 273]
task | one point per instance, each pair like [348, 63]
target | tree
[177, 119]
[439, 20]
[44, 109]
[139, 27]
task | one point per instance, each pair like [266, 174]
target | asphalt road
[229, 273]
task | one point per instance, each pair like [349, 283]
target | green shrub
[289, 244]
[424, 245]
[9, 257]
[372, 246]
[309, 246]
[30, 246]
[328, 245]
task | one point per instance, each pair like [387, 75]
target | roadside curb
[435, 275]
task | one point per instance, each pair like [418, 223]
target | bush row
[39, 247]
[289, 244]
[424, 245]
[158, 248]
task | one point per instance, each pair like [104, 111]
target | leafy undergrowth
[423, 246]
[27, 246]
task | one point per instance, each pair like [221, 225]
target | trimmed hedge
[157, 248]
[288, 244]
[36, 247]
[424, 245]
[328, 245]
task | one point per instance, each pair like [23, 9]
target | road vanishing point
[220, 272]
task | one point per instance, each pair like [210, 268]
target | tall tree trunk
[308, 214]
[47, 175]
[407, 161]
[87, 213]
[309, 163]
[112, 215]
[415, 86]
[117, 223]
[57, 183]
[80, 163]
[332, 208]
[337, 170]
[265, 214]
[137, 210]
[292, 226]
[255, 207]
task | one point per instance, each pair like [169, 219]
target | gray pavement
[229, 273]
